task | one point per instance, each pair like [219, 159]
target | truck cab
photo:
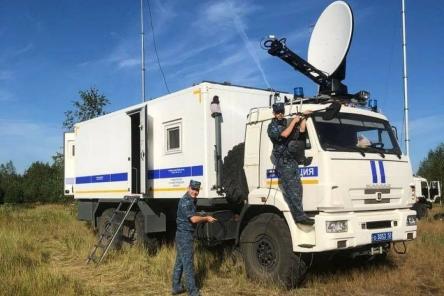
[356, 187]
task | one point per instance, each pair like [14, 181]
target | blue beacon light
[298, 92]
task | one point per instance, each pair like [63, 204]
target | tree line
[43, 182]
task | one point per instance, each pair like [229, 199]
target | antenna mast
[406, 106]
[143, 51]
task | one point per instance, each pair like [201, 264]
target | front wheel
[422, 210]
[267, 251]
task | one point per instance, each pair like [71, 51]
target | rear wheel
[267, 250]
[108, 229]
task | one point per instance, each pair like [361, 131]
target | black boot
[306, 221]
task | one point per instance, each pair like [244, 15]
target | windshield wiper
[338, 147]
[360, 150]
[377, 150]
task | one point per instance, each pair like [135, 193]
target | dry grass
[43, 250]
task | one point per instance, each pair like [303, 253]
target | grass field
[43, 250]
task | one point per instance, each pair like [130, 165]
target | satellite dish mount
[327, 51]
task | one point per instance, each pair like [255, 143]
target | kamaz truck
[135, 164]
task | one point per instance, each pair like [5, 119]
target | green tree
[8, 169]
[10, 184]
[90, 105]
[40, 183]
[58, 168]
[432, 167]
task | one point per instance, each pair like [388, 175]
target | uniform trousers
[288, 172]
[184, 262]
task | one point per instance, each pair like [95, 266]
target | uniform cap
[278, 107]
[195, 184]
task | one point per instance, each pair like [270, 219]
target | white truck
[360, 198]
[426, 192]
[359, 194]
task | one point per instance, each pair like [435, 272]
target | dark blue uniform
[184, 245]
[286, 165]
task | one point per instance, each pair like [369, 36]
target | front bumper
[361, 226]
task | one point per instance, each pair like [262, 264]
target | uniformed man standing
[285, 157]
[186, 221]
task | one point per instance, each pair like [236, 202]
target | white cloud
[28, 47]
[425, 134]
[129, 62]
[125, 55]
[431, 126]
[218, 47]
[13, 53]
[222, 12]
[219, 26]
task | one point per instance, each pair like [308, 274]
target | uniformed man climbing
[288, 152]
[186, 220]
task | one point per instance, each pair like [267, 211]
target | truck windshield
[353, 132]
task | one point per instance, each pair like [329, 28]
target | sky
[50, 50]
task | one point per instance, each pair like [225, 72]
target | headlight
[411, 220]
[336, 226]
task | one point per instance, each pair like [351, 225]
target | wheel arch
[251, 211]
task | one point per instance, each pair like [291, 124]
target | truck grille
[374, 201]
[377, 224]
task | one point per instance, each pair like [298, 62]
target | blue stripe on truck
[373, 168]
[190, 171]
[381, 170]
[102, 178]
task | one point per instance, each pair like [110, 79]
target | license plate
[381, 237]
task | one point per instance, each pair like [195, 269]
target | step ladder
[103, 245]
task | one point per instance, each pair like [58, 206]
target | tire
[429, 205]
[267, 251]
[421, 210]
[109, 230]
[234, 181]
[150, 242]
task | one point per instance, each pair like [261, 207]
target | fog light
[411, 220]
[336, 226]
[342, 244]
[409, 235]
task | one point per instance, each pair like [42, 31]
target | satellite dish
[331, 37]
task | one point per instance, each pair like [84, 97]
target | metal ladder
[103, 244]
